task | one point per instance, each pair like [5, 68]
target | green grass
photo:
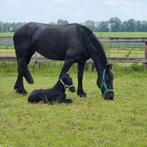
[122, 34]
[7, 34]
[103, 34]
[88, 122]
[118, 53]
[125, 53]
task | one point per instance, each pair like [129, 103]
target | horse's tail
[21, 55]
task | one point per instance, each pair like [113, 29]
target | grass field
[122, 34]
[87, 122]
[104, 34]
[7, 34]
[118, 53]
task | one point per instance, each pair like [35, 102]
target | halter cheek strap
[103, 84]
[65, 85]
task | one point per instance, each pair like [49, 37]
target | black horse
[72, 43]
[55, 94]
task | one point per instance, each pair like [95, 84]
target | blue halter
[103, 84]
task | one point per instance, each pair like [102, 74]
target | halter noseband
[103, 84]
[65, 85]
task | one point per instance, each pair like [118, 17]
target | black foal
[55, 94]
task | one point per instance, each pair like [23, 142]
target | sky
[71, 10]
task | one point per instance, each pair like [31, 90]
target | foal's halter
[103, 84]
[65, 85]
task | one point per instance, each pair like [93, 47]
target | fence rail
[42, 59]
[103, 40]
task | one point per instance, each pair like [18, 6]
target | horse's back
[53, 41]
[33, 27]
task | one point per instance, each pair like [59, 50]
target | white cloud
[74, 11]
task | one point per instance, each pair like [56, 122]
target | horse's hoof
[30, 80]
[23, 92]
[81, 94]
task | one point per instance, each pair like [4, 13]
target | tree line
[112, 25]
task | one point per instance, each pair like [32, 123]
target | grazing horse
[55, 94]
[72, 43]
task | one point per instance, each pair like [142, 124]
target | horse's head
[66, 80]
[105, 83]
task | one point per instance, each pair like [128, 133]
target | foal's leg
[67, 101]
[60, 100]
[80, 90]
[45, 99]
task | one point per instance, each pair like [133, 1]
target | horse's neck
[59, 86]
[100, 61]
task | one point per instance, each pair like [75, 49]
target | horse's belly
[52, 55]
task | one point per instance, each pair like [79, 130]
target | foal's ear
[67, 74]
[109, 66]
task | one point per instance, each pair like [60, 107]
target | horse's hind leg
[23, 69]
[23, 62]
[19, 87]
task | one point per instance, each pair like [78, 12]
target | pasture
[89, 121]
[104, 34]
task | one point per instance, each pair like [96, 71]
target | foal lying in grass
[55, 94]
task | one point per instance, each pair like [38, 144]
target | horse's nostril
[111, 97]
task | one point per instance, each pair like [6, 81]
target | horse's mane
[91, 40]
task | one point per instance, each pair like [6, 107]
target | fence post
[145, 55]
[36, 66]
[36, 62]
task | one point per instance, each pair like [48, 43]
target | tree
[144, 26]
[132, 25]
[1, 26]
[103, 26]
[91, 25]
[62, 22]
[125, 26]
[115, 24]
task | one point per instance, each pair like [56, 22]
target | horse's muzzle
[109, 96]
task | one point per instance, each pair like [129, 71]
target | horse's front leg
[80, 90]
[66, 66]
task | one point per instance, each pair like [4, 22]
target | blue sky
[71, 10]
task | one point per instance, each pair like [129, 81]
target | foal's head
[66, 80]
[105, 83]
